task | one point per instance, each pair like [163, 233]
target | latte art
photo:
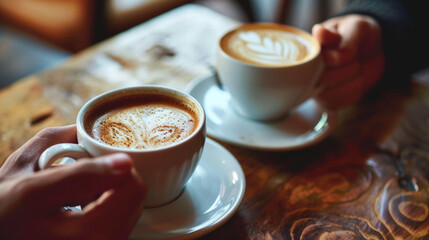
[143, 126]
[267, 46]
[270, 47]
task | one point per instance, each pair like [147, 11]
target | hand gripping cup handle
[62, 150]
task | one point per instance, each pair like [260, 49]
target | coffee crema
[135, 122]
[269, 44]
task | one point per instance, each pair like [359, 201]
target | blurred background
[38, 34]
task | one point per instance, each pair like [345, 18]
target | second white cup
[269, 69]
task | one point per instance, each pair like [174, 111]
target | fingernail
[119, 163]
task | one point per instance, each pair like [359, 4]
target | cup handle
[318, 88]
[215, 75]
[316, 91]
[55, 152]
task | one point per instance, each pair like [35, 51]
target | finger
[345, 95]
[326, 35]
[361, 34]
[112, 216]
[338, 76]
[331, 39]
[76, 183]
[26, 157]
[372, 70]
[348, 92]
[122, 204]
[334, 58]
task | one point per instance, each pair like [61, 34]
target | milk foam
[268, 46]
[143, 127]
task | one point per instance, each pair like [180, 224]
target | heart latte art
[267, 45]
[145, 125]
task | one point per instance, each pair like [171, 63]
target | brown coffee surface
[268, 44]
[141, 123]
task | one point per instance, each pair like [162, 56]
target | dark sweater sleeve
[404, 36]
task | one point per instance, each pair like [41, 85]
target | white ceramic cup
[264, 92]
[165, 170]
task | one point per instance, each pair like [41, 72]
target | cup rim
[168, 90]
[277, 25]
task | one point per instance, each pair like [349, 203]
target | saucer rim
[332, 121]
[225, 217]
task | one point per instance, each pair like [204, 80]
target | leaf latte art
[266, 46]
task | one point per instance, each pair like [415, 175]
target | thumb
[331, 40]
[327, 36]
[24, 160]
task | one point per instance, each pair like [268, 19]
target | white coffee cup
[269, 69]
[165, 169]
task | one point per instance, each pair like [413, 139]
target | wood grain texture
[346, 187]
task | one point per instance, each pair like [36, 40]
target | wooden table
[346, 187]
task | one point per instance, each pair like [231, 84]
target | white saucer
[307, 125]
[211, 197]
